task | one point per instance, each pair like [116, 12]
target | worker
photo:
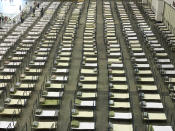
[41, 12]
[38, 5]
[22, 17]
[33, 11]
[20, 7]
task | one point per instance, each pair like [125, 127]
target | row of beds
[162, 27]
[10, 65]
[46, 109]
[21, 91]
[11, 33]
[162, 60]
[83, 116]
[7, 27]
[153, 112]
[53, 89]
[120, 107]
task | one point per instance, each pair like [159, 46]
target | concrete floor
[102, 100]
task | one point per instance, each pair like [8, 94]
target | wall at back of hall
[169, 17]
[168, 13]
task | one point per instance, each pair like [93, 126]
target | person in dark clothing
[0, 19]
[20, 7]
[42, 12]
[33, 11]
[38, 5]
[22, 18]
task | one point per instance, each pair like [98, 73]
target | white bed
[114, 60]
[59, 71]
[44, 125]
[89, 71]
[91, 64]
[122, 127]
[87, 95]
[88, 86]
[50, 94]
[83, 126]
[153, 97]
[30, 78]
[119, 105]
[116, 65]
[161, 128]
[88, 79]
[82, 113]
[10, 112]
[152, 105]
[121, 96]
[117, 79]
[59, 78]
[117, 71]
[7, 124]
[143, 66]
[145, 79]
[118, 87]
[27, 86]
[144, 72]
[46, 113]
[21, 94]
[15, 102]
[85, 103]
[120, 115]
[154, 116]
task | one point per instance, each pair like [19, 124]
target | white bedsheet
[153, 105]
[162, 128]
[47, 113]
[86, 125]
[118, 115]
[7, 124]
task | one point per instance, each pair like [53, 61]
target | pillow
[1, 109]
[111, 114]
[17, 84]
[12, 90]
[79, 93]
[32, 62]
[54, 69]
[53, 77]
[111, 102]
[45, 92]
[77, 101]
[35, 124]
[80, 84]
[75, 124]
[111, 94]
[42, 100]
[111, 85]
[38, 111]
[74, 111]
[145, 114]
[110, 77]
[143, 103]
[81, 77]
[48, 83]
[27, 68]
[22, 75]
[7, 100]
